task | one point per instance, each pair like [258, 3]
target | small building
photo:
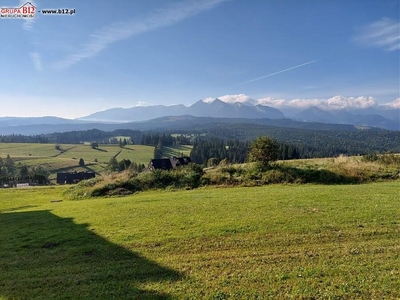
[168, 163]
[74, 177]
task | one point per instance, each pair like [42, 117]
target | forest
[231, 141]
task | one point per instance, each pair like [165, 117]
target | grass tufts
[333, 171]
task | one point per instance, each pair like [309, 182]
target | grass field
[271, 242]
[67, 160]
[32, 152]
[177, 150]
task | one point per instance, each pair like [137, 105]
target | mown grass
[270, 242]
[137, 153]
[67, 160]
[177, 150]
[29, 152]
[27, 149]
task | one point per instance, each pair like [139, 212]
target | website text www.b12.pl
[59, 11]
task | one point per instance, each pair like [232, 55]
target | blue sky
[282, 53]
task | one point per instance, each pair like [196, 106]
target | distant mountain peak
[218, 108]
[216, 101]
[198, 103]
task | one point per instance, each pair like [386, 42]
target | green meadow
[29, 152]
[270, 242]
[177, 150]
[67, 158]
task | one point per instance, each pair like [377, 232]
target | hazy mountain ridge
[379, 116]
[215, 109]
[358, 117]
[154, 117]
[22, 121]
[176, 123]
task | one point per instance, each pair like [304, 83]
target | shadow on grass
[129, 148]
[62, 151]
[66, 169]
[88, 169]
[99, 149]
[44, 256]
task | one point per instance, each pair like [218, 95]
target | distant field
[28, 149]
[68, 158]
[271, 242]
[178, 150]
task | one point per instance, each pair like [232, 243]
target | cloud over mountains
[394, 104]
[334, 103]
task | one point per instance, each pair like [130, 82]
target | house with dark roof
[75, 177]
[168, 163]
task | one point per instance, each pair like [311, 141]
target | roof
[169, 163]
[161, 163]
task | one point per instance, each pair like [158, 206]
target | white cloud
[271, 101]
[242, 98]
[208, 99]
[305, 103]
[394, 104]
[123, 30]
[37, 61]
[383, 34]
[334, 103]
[340, 102]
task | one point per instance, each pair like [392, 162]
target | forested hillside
[314, 143]
[222, 139]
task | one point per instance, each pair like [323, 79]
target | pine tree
[81, 162]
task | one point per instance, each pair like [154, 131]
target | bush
[212, 162]
[371, 157]
[263, 150]
[389, 159]
[184, 177]
[276, 176]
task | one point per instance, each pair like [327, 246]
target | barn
[168, 163]
[74, 177]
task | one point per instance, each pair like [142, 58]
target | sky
[282, 53]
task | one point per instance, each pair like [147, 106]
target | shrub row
[275, 174]
[348, 171]
[187, 177]
[385, 159]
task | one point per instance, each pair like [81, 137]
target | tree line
[212, 151]
[300, 143]
[10, 171]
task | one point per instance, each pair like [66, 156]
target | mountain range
[379, 116]
[215, 109]
[145, 117]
